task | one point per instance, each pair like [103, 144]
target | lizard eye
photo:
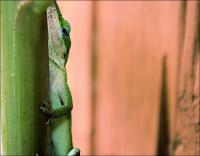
[64, 32]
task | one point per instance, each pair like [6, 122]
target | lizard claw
[49, 120]
[43, 109]
[46, 108]
[46, 111]
[47, 105]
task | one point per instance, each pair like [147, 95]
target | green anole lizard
[60, 105]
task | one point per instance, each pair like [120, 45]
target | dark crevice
[93, 76]
[182, 24]
[181, 38]
[163, 134]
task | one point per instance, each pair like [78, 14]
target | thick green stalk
[24, 76]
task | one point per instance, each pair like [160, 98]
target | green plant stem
[24, 76]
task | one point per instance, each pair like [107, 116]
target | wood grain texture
[187, 123]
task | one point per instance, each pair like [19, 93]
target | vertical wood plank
[132, 38]
[187, 123]
[79, 14]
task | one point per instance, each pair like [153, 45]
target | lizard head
[59, 42]
[65, 30]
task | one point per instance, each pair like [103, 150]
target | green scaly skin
[60, 105]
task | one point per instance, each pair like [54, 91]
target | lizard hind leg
[74, 152]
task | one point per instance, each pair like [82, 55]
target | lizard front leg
[60, 96]
[63, 110]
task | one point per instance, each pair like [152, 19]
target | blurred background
[133, 71]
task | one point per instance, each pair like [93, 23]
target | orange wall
[124, 99]
[78, 13]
